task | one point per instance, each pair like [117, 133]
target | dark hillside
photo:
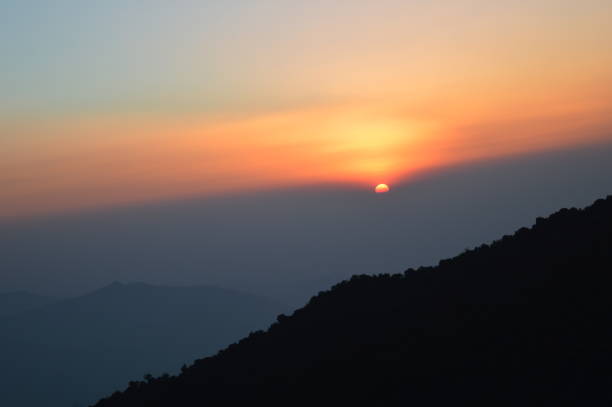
[523, 321]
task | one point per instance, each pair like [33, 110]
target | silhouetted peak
[141, 327]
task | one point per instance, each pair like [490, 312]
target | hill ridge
[519, 321]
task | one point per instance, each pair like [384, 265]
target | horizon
[249, 241]
[574, 152]
[208, 99]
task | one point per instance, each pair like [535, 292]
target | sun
[381, 188]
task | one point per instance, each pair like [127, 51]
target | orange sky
[107, 161]
[275, 95]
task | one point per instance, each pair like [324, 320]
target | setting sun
[381, 188]
[377, 92]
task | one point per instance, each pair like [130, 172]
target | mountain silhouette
[75, 351]
[524, 320]
[13, 303]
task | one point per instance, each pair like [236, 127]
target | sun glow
[380, 91]
[381, 188]
[130, 159]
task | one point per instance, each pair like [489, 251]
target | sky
[289, 243]
[104, 104]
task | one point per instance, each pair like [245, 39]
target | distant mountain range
[525, 320]
[72, 352]
[13, 303]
